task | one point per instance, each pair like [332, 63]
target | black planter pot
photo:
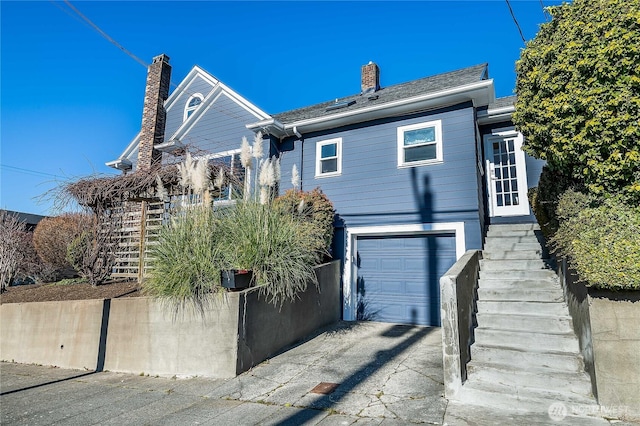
[236, 279]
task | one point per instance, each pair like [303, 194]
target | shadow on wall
[424, 201]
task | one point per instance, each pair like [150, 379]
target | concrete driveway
[369, 373]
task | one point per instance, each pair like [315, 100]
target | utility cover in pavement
[325, 388]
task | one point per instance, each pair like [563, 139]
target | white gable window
[420, 144]
[192, 104]
[329, 158]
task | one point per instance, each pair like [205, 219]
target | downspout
[299, 135]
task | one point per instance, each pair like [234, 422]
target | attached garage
[394, 276]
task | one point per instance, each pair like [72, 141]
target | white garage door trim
[350, 276]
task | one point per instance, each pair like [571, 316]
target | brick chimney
[370, 78]
[153, 114]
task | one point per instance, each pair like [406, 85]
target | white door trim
[521, 170]
[350, 275]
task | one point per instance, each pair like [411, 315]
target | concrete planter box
[615, 331]
[139, 335]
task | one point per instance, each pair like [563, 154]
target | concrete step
[535, 323]
[529, 360]
[512, 397]
[524, 340]
[512, 265]
[514, 254]
[521, 293]
[503, 246]
[499, 232]
[518, 275]
[517, 307]
[572, 383]
[549, 283]
[516, 227]
[512, 239]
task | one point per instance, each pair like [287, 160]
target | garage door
[398, 277]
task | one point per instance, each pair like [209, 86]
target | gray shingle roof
[396, 92]
[503, 102]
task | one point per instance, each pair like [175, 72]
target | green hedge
[602, 241]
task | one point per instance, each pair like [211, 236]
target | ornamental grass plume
[264, 194]
[161, 191]
[200, 176]
[258, 151]
[219, 182]
[184, 170]
[267, 173]
[245, 154]
[295, 177]
[275, 163]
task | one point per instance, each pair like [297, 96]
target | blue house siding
[220, 128]
[372, 190]
[175, 113]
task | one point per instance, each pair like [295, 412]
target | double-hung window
[329, 158]
[420, 144]
[235, 175]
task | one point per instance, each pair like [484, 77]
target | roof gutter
[496, 115]
[480, 93]
[269, 126]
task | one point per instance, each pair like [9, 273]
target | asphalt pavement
[362, 373]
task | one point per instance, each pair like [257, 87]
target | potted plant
[236, 279]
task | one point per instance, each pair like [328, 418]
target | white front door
[506, 174]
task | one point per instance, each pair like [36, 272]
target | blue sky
[71, 100]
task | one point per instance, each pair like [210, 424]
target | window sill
[419, 163]
[328, 175]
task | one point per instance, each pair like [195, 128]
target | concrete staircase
[526, 355]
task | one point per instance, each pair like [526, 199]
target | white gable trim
[217, 88]
[350, 273]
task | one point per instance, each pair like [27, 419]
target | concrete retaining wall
[64, 334]
[458, 288]
[264, 329]
[576, 297]
[615, 320]
[146, 337]
[140, 335]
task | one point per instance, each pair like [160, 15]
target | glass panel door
[506, 181]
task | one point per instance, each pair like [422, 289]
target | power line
[130, 54]
[544, 11]
[516, 21]
[29, 172]
[105, 35]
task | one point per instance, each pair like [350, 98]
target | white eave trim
[270, 126]
[120, 164]
[495, 115]
[480, 93]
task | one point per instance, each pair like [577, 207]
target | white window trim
[350, 273]
[222, 154]
[188, 109]
[319, 145]
[437, 124]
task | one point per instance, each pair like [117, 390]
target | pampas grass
[186, 261]
[271, 243]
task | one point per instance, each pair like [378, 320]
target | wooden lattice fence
[140, 224]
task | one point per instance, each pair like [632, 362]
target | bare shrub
[53, 236]
[91, 253]
[11, 256]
